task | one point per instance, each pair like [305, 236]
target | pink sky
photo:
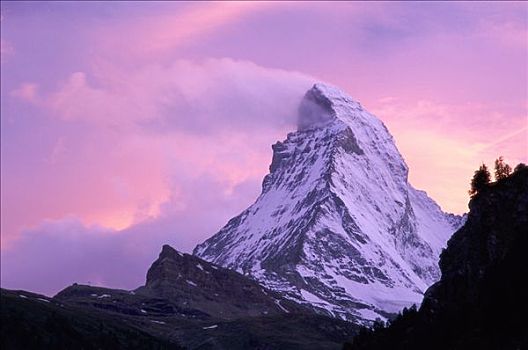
[127, 125]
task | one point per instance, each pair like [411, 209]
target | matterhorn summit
[337, 226]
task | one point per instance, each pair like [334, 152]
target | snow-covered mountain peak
[337, 224]
[320, 104]
[338, 124]
[332, 94]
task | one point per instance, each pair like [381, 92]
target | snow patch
[281, 307]
[211, 327]
[370, 315]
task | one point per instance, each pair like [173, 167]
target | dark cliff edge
[481, 301]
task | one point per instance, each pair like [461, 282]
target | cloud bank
[167, 155]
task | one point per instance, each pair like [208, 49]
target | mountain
[337, 225]
[185, 302]
[481, 301]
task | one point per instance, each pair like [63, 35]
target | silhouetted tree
[520, 167]
[502, 170]
[480, 180]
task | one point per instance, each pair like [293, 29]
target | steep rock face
[480, 301]
[337, 224]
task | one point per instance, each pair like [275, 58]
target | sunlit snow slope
[337, 224]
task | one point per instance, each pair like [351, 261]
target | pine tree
[502, 170]
[480, 180]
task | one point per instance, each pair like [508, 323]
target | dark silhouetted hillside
[481, 301]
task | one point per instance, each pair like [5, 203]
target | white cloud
[191, 96]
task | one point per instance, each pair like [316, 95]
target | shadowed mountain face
[337, 225]
[185, 302]
[481, 300]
